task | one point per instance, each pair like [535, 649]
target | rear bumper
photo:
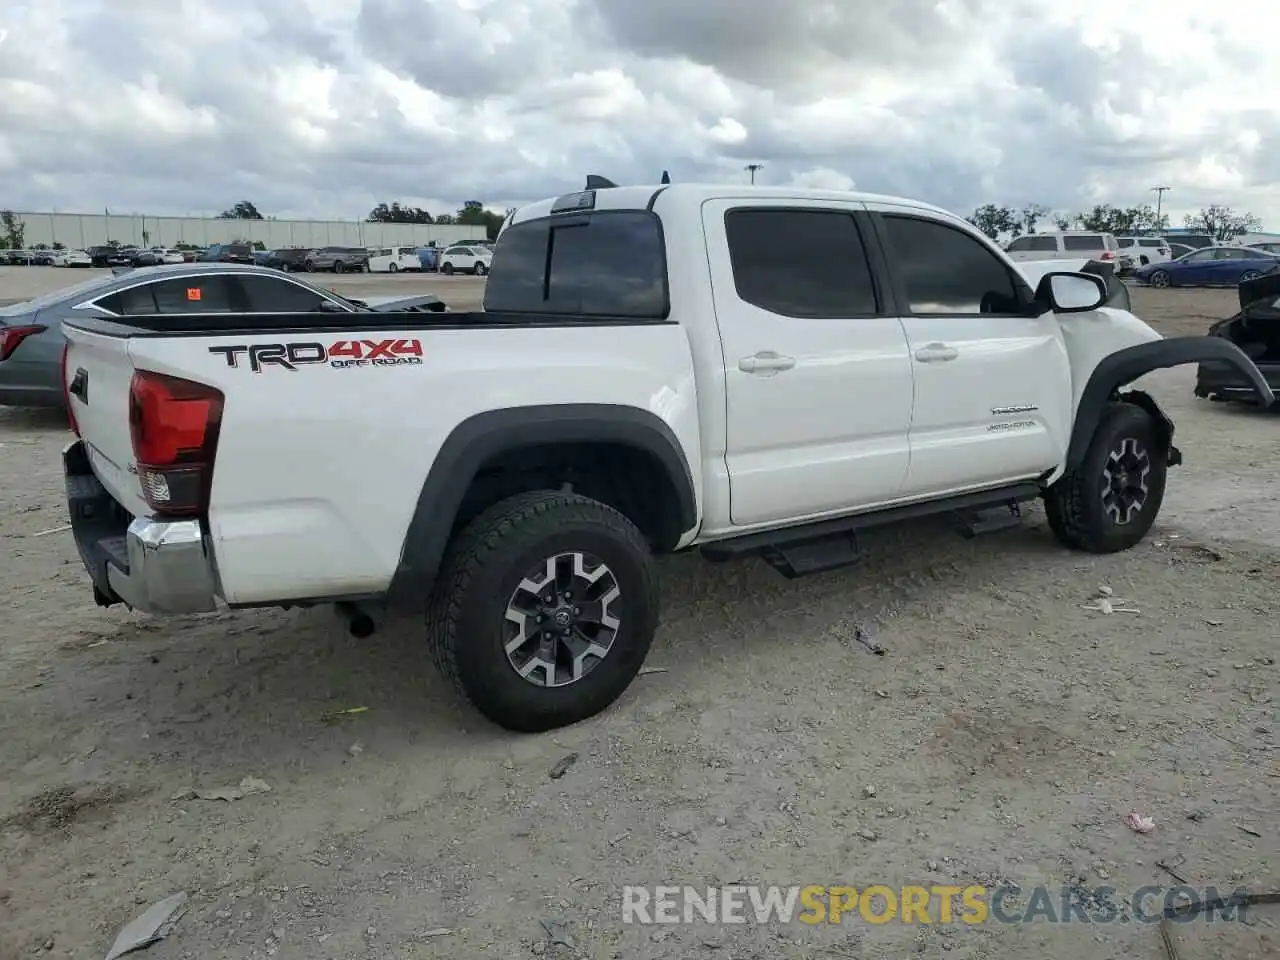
[1227, 382]
[156, 566]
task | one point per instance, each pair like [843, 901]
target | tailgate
[98, 375]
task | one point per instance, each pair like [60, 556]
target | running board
[828, 544]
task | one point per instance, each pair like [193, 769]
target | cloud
[326, 107]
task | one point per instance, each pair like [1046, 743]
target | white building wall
[78, 230]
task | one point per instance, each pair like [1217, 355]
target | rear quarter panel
[319, 469]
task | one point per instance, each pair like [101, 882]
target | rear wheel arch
[623, 456]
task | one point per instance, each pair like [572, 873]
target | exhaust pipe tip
[359, 624]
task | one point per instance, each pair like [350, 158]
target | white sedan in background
[72, 258]
[466, 259]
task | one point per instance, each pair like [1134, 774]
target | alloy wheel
[560, 622]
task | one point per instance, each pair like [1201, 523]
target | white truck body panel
[318, 470]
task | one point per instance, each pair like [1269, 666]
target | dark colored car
[1256, 331]
[105, 256]
[287, 259]
[228, 253]
[1209, 267]
[31, 338]
[337, 259]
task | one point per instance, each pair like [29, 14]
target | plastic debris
[248, 786]
[645, 671]
[45, 533]
[155, 923]
[558, 932]
[1140, 824]
[343, 714]
[870, 642]
[1108, 606]
[561, 766]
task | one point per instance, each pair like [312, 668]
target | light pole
[752, 168]
[1159, 192]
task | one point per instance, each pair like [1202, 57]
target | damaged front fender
[1125, 366]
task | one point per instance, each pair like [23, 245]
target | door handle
[936, 353]
[766, 362]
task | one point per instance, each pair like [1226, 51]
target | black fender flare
[1125, 366]
[485, 435]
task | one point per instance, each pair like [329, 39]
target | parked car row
[472, 257]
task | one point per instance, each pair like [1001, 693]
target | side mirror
[1071, 292]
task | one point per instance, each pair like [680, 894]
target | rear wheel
[478, 269]
[1109, 502]
[544, 610]
[394, 268]
[309, 266]
[338, 266]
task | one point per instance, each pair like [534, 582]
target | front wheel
[309, 266]
[1109, 502]
[1160, 279]
[447, 269]
[394, 268]
[544, 610]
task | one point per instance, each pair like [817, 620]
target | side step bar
[829, 544]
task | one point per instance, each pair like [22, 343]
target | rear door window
[800, 263]
[192, 295]
[604, 264]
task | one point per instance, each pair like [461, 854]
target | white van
[1146, 250]
[1069, 245]
[394, 259]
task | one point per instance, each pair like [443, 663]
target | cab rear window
[603, 264]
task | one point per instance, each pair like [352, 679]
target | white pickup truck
[739, 370]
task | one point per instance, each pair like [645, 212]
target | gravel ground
[1005, 736]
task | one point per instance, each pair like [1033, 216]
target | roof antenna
[666, 177]
[597, 182]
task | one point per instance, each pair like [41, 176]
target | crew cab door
[992, 384]
[817, 375]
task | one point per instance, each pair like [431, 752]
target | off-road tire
[482, 567]
[1074, 504]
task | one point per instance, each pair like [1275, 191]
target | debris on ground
[1140, 824]
[1249, 830]
[155, 923]
[870, 642]
[558, 932]
[343, 714]
[645, 671]
[561, 766]
[1108, 606]
[248, 787]
[356, 749]
[45, 533]
[434, 932]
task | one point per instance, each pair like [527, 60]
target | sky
[323, 108]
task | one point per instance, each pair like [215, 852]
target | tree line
[1221, 223]
[473, 213]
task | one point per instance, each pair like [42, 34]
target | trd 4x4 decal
[341, 353]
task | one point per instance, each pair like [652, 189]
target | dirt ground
[1005, 736]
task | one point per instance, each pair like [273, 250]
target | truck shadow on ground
[212, 697]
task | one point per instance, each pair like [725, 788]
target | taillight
[1106, 255]
[12, 337]
[174, 424]
[66, 391]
